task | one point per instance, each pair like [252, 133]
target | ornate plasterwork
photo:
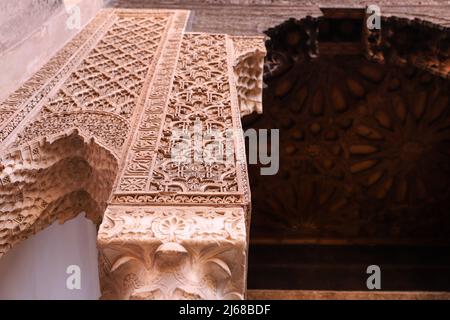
[249, 55]
[52, 180]
[140, 156]
[100, 95]
[172, 224]
[173, 253]
[92, 131]
[200, 96]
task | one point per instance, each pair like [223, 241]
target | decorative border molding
[172, 224]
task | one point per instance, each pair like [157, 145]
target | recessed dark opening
[364, 165]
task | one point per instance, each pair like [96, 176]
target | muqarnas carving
[248, 68]
[53, 180]
[95, 134]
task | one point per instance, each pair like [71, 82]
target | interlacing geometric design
[17, 106]
[100, 96]
[112, 75]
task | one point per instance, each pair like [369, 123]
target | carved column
[177, 230]
[94, 131]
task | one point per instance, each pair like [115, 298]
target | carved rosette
[173, 253]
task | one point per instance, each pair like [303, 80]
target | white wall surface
[36, 268]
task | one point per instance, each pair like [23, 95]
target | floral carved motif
[173, 253]
[200, 96]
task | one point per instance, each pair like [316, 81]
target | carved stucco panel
[100, 95]
[92, 129]
[173, 253]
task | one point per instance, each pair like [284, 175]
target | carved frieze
[364, 154]
[173, 253]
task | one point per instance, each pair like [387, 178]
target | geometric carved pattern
[142, 151]
[200, 97]
[111, 77]
[93, 131]
[111, 130]
[18, 105]
[200, 94]
[172, 248]
[100, 95]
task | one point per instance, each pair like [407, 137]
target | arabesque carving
[249, 67]
[200, 97]
[93, 131]
[203, 97]
[100, 95]
[173, 253]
